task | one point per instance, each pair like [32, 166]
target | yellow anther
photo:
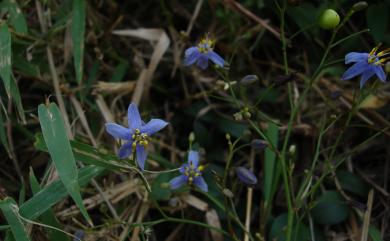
[146, 143]
[137, 131]
[373, 51]
[190, 179]
[381, 53]
[134, 144]
[201, 168]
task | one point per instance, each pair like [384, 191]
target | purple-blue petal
[118, 131]
[355, 57]
[200, 183]
[246, 176]
[125, 150]
[191, 56]
[203, 61]
[355, 70]
[218, 60]
[178, 182]
[365, 76]
[193, 157]
[153, 126]
[379, 72]
[134, 117]
[141, 155]
[183, 167]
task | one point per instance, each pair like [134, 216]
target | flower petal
[200, 183]
[118, 131]
[193, 157]
[191, 56]
[218, 60]
[355, 70]
[178, 182]
[365, 76]
[134, 117]
[203, 61]
[355, 57]
[153, 126]
[142, 154]
[380, 73]
[125, 150]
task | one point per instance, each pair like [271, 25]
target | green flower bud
[329, 19]
[359, 6]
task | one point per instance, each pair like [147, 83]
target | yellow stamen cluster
[140, 138]
[191, 172]
[205, 44]
[374, 58]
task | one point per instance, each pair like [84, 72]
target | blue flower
[137, 135]
[366, 64]
[191, 173]
[202, 53]
[246, 176]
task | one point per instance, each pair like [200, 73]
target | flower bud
[238, 116]
[329, 19]
[227, 193]
[191, 137]
[249, 79]
[359, 6]
[259, 144]
[246, 176]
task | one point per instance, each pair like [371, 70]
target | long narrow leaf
[57, 142]
[269, 165]
[5, 57]
[48, 217]
[78, 29]
[55, 192]
[9, 208]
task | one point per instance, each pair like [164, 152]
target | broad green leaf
[16, 17]
[48, 217]
[378, 20]
[55, 192]
[278, 230]
[10, 210]
[330, 209]
[120, 71]
[19, 63]
[5, 57]
[78, 29]
[269, 162]
[57, 142]
[352, 183]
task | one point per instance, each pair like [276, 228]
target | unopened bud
[259, 144]
[191, 137]
[329, 19]
[292, 149]
[360, 6]
[238, 116]
[227, 193]
[249, 79]
[246, 176]
[227, 136]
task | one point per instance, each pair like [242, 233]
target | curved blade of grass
[48, 217]
[78, 29]
[5, 57]
[57, 142]
[9, 208]
[3, 135]
[16, 17]
[55, 192]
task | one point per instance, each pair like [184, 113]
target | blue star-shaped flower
[366, 64]
[137, 135]
[202, 53]
[191, 173]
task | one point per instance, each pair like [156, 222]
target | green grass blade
[55, 192]
[78, 29]
[48, 217]
[5, 57]
[3, 135]
[9, 208]
[17, 99]
[16, 17]
[269, 165]
[57, 142]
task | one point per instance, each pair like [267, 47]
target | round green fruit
[329, 19]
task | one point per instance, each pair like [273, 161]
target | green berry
[329, 19]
